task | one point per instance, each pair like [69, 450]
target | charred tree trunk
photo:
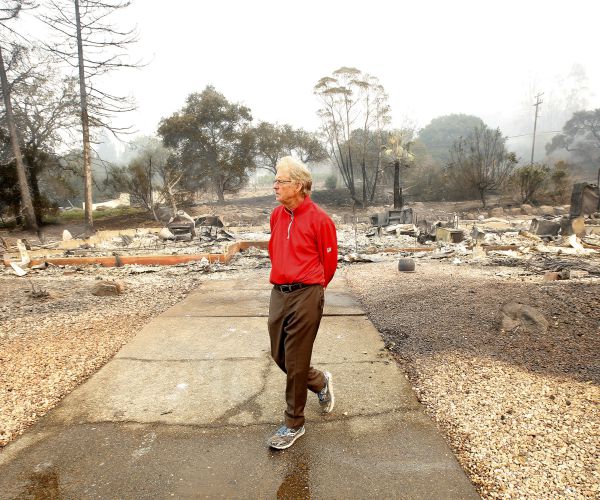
[172, 200]
[85, 126]
[26, 201]
[363, 171]
[482, 197]
[35, 189]
[398, 202]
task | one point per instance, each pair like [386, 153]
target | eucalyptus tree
[89, 40]
[353, 101]
[9, 10]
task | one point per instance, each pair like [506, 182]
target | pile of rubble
[182, 240]
[556, 238]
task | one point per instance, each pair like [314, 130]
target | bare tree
[8, 11]
[480, 162]
[44, 106]
[150, 177]
[90, 42]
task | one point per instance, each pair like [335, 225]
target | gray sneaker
[326, 398]
[284, 437]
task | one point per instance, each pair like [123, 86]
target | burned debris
[511, 237]
[585, 199]
[182, 241]
[182, 226]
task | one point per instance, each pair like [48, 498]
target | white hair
[298, 172]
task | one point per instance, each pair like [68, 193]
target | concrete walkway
[185, 408]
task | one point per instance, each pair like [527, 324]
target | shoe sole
[332, 400]
[287, 445]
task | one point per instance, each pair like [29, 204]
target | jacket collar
[303, 207]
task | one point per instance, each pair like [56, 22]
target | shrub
[331, 182]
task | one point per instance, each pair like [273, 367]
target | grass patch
[10, 224]
[77, 214]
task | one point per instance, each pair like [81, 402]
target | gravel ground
[520, 408]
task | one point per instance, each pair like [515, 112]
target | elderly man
[303, 253]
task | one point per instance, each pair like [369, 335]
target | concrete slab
[225, 392]
[361, 389]
[341, 304]
[347, 339]
[256, 280]
[340, 338]
[252, 302]
[204, 339]
[375, 457]
[175, 392]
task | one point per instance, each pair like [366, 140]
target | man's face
[287, 192]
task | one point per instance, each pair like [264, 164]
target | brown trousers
[294, 319]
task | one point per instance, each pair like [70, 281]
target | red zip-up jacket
[303, 245]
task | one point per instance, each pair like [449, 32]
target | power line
[537, 133]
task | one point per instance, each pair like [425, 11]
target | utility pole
[538, 101]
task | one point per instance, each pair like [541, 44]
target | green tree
[213, 140]
[272, 143]
[354, 112]
[561, 181]
[441, 133]
[307, 146]
[425, 179]
[276, 141]
[530, 179]
[581, 137]
[480, 162]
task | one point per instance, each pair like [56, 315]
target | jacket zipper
[290, 224]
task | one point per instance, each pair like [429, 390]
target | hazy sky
[433, 57]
